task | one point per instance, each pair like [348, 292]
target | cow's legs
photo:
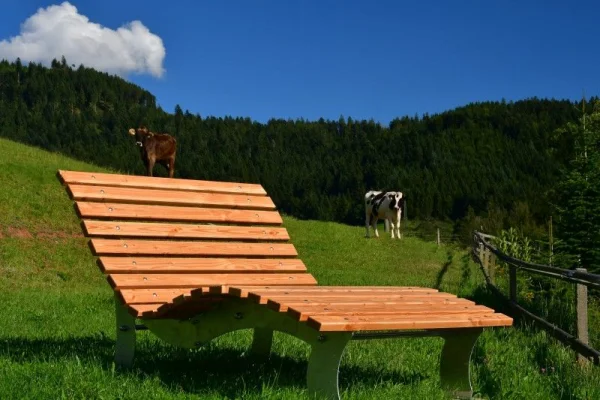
[395, 223]
[374, 220]
[150, 165]
[171, 166]
[367, 225]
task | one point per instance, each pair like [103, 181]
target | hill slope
[58, 325]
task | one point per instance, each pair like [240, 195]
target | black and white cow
[385, 205]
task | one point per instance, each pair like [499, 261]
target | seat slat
[169, 197]
[358, 296]
[171, 281]
[284, 306]
[110, 265]
[190, 248]
[266, 291]
[143, 296]
[174, 213]
[387, 310]
[96, 178]
[325, 323]
[182, 231]
[272, 291]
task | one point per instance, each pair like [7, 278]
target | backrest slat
[172, 281]
[169, 197]
[182, 231]
[158, 238]
[170, 213]
[198, 264]
[96, 178]
[190, 248]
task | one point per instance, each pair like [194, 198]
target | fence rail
[486, 254]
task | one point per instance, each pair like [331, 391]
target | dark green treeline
[503, 154]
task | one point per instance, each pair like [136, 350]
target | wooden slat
[168, 281]
[169, 197]
[284, 306]
[110, 265]
[174, 213]
[387, 310]
[96, 178]
[183, 248]
[266, 291]
[182, 231]
[381, 294]
[326, 323]
[333, 296]
[142, 296]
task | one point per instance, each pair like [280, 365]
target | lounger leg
[324, 363]
[125, 346]
[262, 341]
[454, 364]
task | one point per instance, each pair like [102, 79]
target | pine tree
[577, 196]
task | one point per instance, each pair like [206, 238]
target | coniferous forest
[487, 158]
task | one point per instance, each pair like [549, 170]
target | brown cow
[155, 147]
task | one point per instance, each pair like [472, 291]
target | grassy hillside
[57, 330]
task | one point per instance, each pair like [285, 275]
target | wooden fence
[486, 254]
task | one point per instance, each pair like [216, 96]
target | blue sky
[362, 59]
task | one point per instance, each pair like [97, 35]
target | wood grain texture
[172, 281]
[176, 265]
[96, 178]
[144, 296]
[387, 310]
[325, 323]
[182, 231]
[190, 248]
[357, 297]
[168, 197]
[264, 290]
[117, 211]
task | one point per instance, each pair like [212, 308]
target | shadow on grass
[444, 270]
[541, 356]
[227, 371]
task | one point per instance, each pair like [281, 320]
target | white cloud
[60, 30]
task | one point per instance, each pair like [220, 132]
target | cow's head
[395, 200]
[141, 134]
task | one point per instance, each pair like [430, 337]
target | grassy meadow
[57, 322]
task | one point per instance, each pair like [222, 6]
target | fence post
[492, 268]
[486, 261]
[386, 225]
[582, 315]
[482, 256]
[438, 236]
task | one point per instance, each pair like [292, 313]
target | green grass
[57, 331]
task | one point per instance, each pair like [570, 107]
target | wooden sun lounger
[197, 259]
